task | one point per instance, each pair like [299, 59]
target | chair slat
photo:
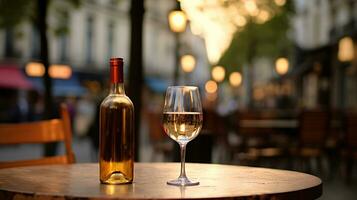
[54, 130]
[34, 132]
[42, 161]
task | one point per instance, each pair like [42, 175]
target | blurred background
[278, 78]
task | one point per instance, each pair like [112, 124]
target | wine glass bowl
[182, 122]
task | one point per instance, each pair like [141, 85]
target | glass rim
[183, 86]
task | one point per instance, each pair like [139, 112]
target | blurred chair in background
[313, 131]
[213, 137]
[162, 146]
[257, 147]
[350, 151]
[46, 131]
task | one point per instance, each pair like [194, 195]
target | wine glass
[182, 121]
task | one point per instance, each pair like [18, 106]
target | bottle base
[116, 178]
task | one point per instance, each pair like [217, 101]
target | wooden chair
[256, 145]
[161, 143]
[313, 130]
[350, 150]
[53, 130]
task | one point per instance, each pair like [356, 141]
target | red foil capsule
[116, 70]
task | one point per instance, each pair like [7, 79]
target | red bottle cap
[116, 70]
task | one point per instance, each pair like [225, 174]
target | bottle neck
[117, 88]
[116, 79]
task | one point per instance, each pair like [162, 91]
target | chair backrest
[351, 130]
[156, 130]
[46, 131]
[314, 126]
[254, 116]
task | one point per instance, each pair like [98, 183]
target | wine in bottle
[116, 143]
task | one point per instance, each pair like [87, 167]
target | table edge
[313, 192]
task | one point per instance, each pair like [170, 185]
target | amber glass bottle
[116, 147]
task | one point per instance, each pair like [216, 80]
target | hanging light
[280, 2]
[251, 7]
[282, 66]
[35, 69]
[345, 49]
[218, 73]
[235, 79]
[211, 87]
[263, 17]
[240, 20]
[177, 21]
[188, 63]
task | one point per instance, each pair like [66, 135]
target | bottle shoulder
[117, 99]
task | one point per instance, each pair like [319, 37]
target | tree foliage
[269, 39]
[12, 12]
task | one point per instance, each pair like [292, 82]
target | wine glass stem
[183, 154]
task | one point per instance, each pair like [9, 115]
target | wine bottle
[116, 124]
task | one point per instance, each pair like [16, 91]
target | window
[62, 32]
[63, 48]
[35, 43]
[89, 40]
[110, 39]
[9, 42]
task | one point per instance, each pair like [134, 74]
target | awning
[13, 77]
[62, 87]
[157, 85]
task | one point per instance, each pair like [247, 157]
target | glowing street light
[35, 69]
[218, 73]
[345, 49]
[235, 79]
[177, 21]
[211, 87]
[60, 71]
[282, 66]
[188, 63]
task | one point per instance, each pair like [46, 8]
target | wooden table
[269, 123]
[80, 181]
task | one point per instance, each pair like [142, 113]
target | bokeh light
[35, 69]
[282, 66]
[177, 21]
[280, 2]
[345, 49]
[211, 86]
[263, 17]
[218, 73]
[235, 79]
[60, 71]
[188, 63]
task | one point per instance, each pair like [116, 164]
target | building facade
[87, 36]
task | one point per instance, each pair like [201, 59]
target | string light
[188, 63]
[282, 66]
[345, 49]
[218, 73]
[235, 79]
[211, 87]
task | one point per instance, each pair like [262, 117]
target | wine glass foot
[182, 182]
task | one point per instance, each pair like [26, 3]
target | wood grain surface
[81, 181]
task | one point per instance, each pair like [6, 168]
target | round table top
[216, 181]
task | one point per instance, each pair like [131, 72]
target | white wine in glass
[182, 126]
[182, 121]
